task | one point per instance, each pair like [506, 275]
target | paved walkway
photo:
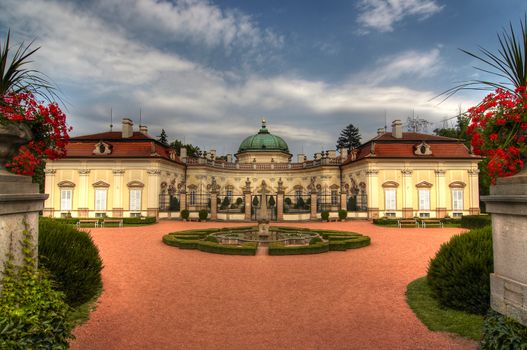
[160, 297]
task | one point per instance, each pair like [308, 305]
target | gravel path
[161, 297]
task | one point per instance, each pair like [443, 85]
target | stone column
[508, 284]
[373, 193]
[280, 205]
[248, 204]
[343, 199]
[214, 204]
[84, 187]
[182, 200]
[49, 189]
[407, 193]
[441, 206]
[152, 201]
[313, 197]
[118, 192]
[473, 188]
[20, 203]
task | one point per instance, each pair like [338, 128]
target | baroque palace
[128, 173]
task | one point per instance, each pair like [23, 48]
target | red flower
[493, 137]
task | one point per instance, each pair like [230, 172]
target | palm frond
[509, 63]
[15, 76]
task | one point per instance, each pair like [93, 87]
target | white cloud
[210, 107]
[198, 21]
[382, 14]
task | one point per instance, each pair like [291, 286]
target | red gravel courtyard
[161, 297]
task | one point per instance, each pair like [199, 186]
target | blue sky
[208, 71]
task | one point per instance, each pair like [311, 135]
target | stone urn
[12, 136]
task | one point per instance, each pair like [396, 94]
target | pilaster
[152, 201]
[49, 189]
[84, 187]
[407, 193]
[441, 206]
[373, 193]
[118, 192]
[473, 187]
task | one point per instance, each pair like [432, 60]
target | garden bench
[94, 221]
[400, 223]
[335, 219]
[112, 221]
[193, 219]
[425, 223]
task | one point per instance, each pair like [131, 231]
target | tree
[163, 137]
[192, 151]
[349, 138]
[416, 124]
[457, 132]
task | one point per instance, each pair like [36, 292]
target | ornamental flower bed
[47, 124]
[498, 131]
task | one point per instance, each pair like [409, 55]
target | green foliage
[239, 201]
[503, 333]
[192, 151]
[211, 238]
[248, 248]
[385, 222]
[255, 201]
[278, 248]
[174, 204]
[349, 138]
[459, 274]
[343, 214]
[324, 215]
[288, 201]
[203, 214]
[475, 221]
[272, 201]
[163, 137]
[225, 203]
[126, 221]
[185, 214]
[315, 240]
[32, 314]
[72, 259]
[438, 318]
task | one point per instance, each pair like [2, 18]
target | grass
[81, 313]
[438, 318]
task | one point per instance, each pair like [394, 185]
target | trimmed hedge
[502, 332]
[385, 221]
[351, 243]
[72, 259]
[459, 273]
[203, 214]
[248, 248]
[126, 221]
[324, 215]
[343, 214]
[185, 213]
[475, 221]
[278, 248]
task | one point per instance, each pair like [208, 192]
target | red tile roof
[112, 135]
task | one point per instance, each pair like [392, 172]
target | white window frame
[69, 200]
[334, 197]
[424, 199]
[135, 204]
[192, 197]
[104, 199]
[459, 201]
[390, 204]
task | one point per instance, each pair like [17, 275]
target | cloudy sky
[208, 71]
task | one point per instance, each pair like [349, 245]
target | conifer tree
[349, 137]
[163, 137]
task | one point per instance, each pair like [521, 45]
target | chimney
[183, 153]
[301, 157]
[143, 129]
[332, 154]
[318, 156]
[229, 158]
[344, 153]
[397, 129]
[128, 128]
[212, 154]
[380, 131]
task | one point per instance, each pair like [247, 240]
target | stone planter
[12, 136]
[508, 205]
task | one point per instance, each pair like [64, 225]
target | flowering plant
[48, 125]
[498, 131]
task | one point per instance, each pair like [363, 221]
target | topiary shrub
[184, 214]
[212, 239]
[315, 240]
[459, 273]
[324, 215]
[502, 332]
[32, 314]
[343, 214]
[288, 201]
[72, 259]
[475, 221]
[203, 214]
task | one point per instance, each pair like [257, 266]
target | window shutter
[65, 199]
[100, 199]
[135, 200]
[424, 200]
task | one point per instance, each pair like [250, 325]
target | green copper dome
[263, 141]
